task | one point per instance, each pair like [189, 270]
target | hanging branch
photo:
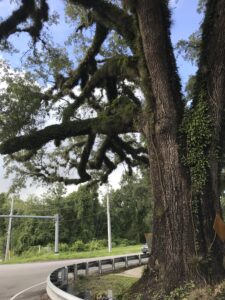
[28, 9]
[111, 17]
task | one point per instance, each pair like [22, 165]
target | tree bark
[210, 88]
[175, 257]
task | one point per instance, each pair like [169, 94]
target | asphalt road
[17, 277]
[27, 281]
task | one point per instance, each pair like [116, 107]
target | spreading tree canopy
[74, 120]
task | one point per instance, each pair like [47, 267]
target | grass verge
[98, 287]
[73, 255]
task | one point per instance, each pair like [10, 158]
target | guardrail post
[75, 272]
[60, 276]
[139, 259]
[99, 267]
[126, 262]
[86, 269]
[65, 278]
[113, 264]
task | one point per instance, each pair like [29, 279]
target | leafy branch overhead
[68, 122]
[37, 12]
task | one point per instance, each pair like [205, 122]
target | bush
[63, 247]
[124, 242]
[121, 242]
[96, 245]
[78, 246]
[114, 244]
[103, 243]
[132, 242]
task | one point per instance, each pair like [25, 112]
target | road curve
[18, 277]
[27, 281]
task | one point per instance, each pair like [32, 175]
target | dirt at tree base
[188, 291]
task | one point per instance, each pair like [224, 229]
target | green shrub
[103, 243]
[78, 246]
[114, 244]
[63, 247]
[132, 243]
[123, 242]
[95, 245]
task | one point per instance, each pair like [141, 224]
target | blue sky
[185, 21]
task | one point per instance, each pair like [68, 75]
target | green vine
[199, 129]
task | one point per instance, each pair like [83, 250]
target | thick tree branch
[51, 178]
[21, 15]
[85, 157]
[128, 92]
[110, 167]
[18, 16]
[87, 67]
[112, 17]
[97, 162]
[109, 125]
[88, 64]
[120, 67]
[135, 153]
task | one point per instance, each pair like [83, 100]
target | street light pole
[109, 223]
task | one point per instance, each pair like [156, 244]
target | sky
[185, 21]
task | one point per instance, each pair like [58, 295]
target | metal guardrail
[57, 281]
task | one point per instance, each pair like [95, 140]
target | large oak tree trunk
[173, 244]
[210, 90]
[179, 251]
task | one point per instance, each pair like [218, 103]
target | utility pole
[9, 230]
[109, 223]
[56, 234]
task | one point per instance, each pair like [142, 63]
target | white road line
[27, 289]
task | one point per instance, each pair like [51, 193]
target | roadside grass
[38, 257]
[99, 287]
[118, 286]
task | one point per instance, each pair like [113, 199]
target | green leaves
[190, 49]
[20, 105]
[131, 208]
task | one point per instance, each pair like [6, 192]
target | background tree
[4, 209]
[97, 110]
[82, 216]
[130, 208]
